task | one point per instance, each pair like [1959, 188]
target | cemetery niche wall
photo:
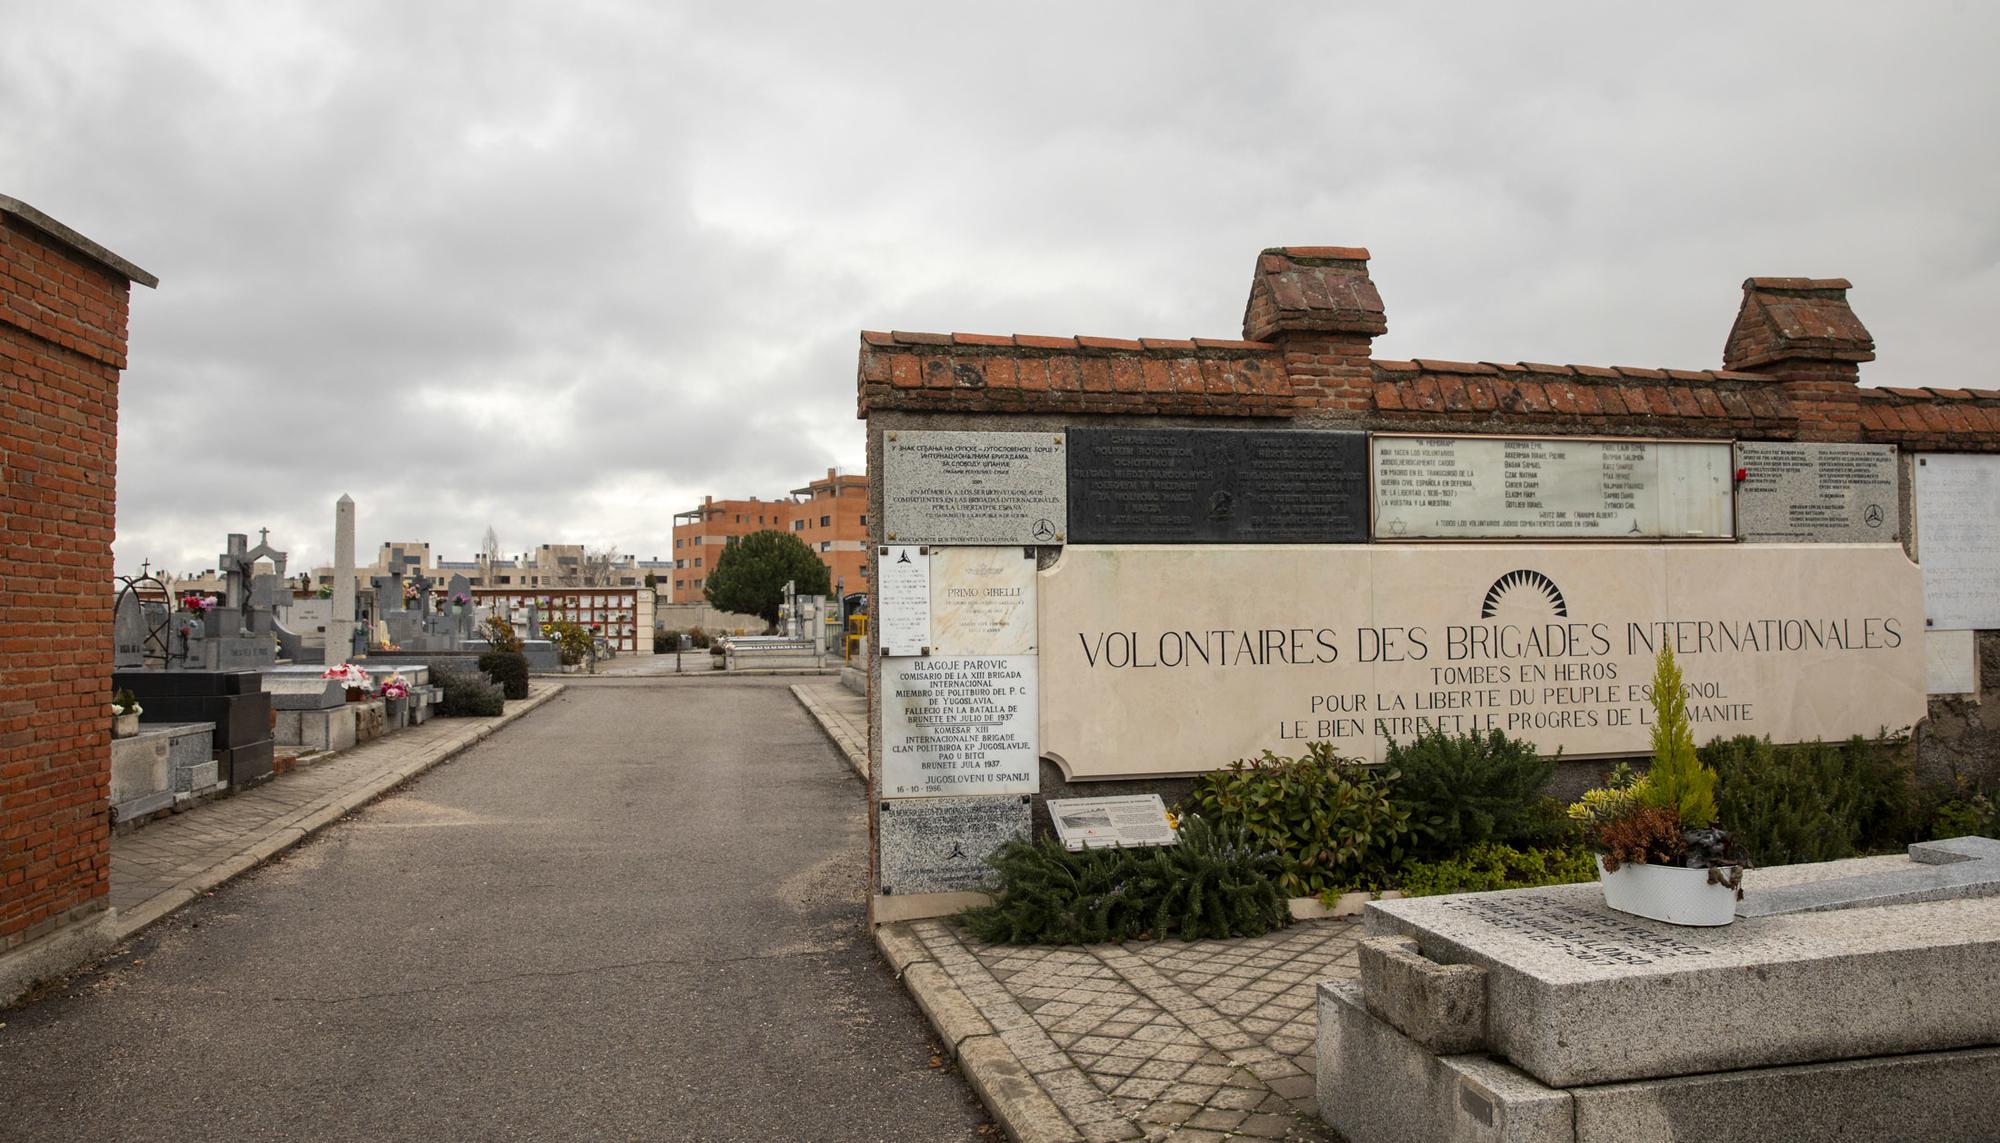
[1240, 544]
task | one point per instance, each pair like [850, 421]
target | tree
[489, 546]
[1678, 781]
[750, 575]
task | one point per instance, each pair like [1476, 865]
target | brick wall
[62, 344]
[1791, 371]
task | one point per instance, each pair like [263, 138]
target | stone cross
[1961, 867]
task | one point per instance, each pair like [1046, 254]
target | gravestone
[1803, 491]
[940, 845]
[128, 632]
[1550, 488]
[974, 488]
[1217, 486]
[982, 601]
[959, 726]
[460, 629]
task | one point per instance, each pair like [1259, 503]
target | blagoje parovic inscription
[959, 726]
[1212, 486]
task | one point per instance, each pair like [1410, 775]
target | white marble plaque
[982, 601]
[1147, 668]
[959, 726]
[974, 488]
[1565, 488]
[1951, 662]
[1958, 539]
[1107, 823]
[1814, 492]
[903, 600]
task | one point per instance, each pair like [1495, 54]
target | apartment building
[829, 515]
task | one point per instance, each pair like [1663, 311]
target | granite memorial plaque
[1147, 669]
[982, 601]
[903, 600]
[1816, 493]
[959, 726]
[1568, 488]
[1951, 662]
[1958, 539]
[1109, 823]
[1217, 486]
[940, 845]
[973, 488]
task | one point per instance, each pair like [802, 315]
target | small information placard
[959, 726]
[903, 600]
[974, 488]
[1129, 820]
[1550, 488]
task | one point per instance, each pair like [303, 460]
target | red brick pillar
[1319, 307]
[63, 302]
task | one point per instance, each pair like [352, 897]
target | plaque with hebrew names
[1958, 539]
[941, 845]
[1217, 486]
[1550, 488]
[974, 488]
[903, 600]
[959, 726]
[1813, 492]
[1108, 823]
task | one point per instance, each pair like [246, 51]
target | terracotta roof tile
[981, 339]
[1595, 371]
[1340, 253]
[1634, 371]
[1037, 341]
[904, 338]
[1107, 343]
[1436, 366]
[1225, 343]
[1952, 394]
[1541, 367]
[1398, 366]
[1166, 343]
[1797, 284]
[1914, 394]
[876, 337]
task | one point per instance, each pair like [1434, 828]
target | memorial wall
[1103, 598]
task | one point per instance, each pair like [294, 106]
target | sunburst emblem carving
[1524, 590]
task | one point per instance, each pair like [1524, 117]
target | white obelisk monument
[340, 626]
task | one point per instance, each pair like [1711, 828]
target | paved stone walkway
[843, 715]
[166, 863]
[1187, 1042]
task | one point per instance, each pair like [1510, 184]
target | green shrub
[467, 694]
[1330, 820]
[509, 669]
[572, 639]
[1489, 866]
[1465, 790]
[1213, 884]
[1816, 801]
[499, 634]
[697, 638]
[666, 640]
[1971, 813]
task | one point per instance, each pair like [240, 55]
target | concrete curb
[1011, 1095]
[285, 832]
[857, 753]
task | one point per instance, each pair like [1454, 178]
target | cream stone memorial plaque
[974, 488]
[903, 599]
[1565, 488]
[959, 726]
[1951, 662]
[982, 601]
[1176, 660]
[1958, 539]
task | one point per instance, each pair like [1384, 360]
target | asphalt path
[634, 914]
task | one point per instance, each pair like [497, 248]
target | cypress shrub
[1816, 801]
[1469, 789]
[509, 669]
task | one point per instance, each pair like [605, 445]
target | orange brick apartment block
[829, 515]
[63, 306]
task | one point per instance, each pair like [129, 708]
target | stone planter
[124, 725]
[395, 713]
[1667, 893]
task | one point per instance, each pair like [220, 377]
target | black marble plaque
[1217, 486]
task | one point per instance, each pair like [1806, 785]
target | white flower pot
[125, 725]
[1667, 893]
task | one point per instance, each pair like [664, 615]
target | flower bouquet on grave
[1659, 853]
[394, 687]
[460, 599]
[196, 604]
[351, 676]
[125, 712]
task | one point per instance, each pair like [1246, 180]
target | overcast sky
[562, 269]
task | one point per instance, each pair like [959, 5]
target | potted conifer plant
[1660, 854]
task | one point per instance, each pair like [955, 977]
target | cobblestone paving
[1161, 1041]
